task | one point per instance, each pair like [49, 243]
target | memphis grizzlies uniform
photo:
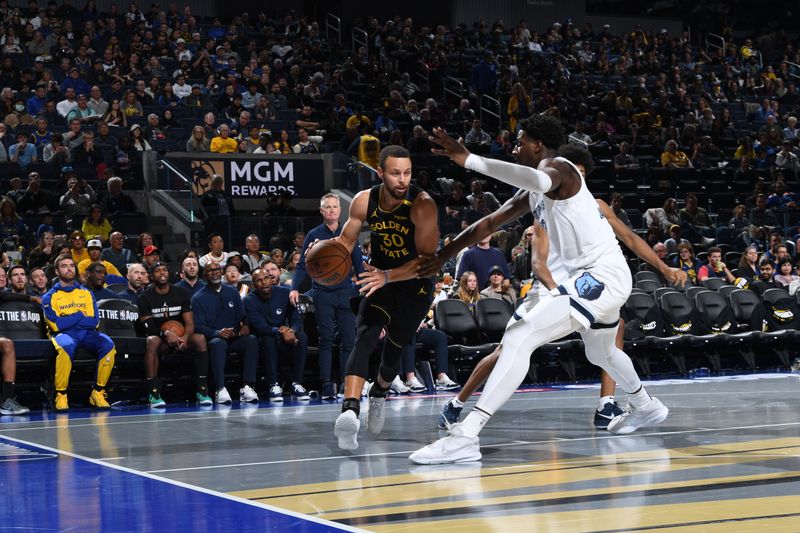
[599, 280]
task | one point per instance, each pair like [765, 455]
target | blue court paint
[49, 490]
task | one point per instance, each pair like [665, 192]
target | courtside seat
[23, 323]
[455, 319]
[492, 316]
[118, 320]
[714, 284]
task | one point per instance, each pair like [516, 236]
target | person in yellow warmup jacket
[70, 312]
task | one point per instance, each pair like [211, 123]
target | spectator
[761, 215]
[198, 141]
[12, 226]
[22, 152]
[96, 225]
[78, 198]
[19, 116]
[781, 198]
[96, 103]
[419, 143]
[282, 145]
[216, 246]
[687, 262]
[220, 317]
[218, 208]
[519, 106]
[42, 135]
[467, 290]
[130, 107]
[278, 325]
[480, 259]
[749, 268]
[44, 253]
[499, 286]
[83, 112]
[116, 201]
[38, 285]
[616, 206]
[190, 276]
[253, 258]
[476, 137]
[116, 116]
[695, 220]
[265, 145]
[94, 248]
[223, 144]
[150, 256]
[137, 139]
[160, 303]
[786, 276]
[675, 239]
[67, 104]
[306, 144]
[232, 276]
[70, 311]
[95, 276]
[765, 278]
[786, 159]
[715, 268]
[672, 157]
[116, 254]
[624, 159]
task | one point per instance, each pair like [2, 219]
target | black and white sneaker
[604, 416]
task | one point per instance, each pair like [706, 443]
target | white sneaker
[346, 430]
[222, 396]
[446, 383]
[634, 418]
[247, 394]
[275, 393]
[455, 448]
[299, 392]
[415, 385]
[398, 387]
[376, 415]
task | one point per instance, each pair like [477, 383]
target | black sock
[376, 391]
[202, 385]
[352, 404]
[153, 386]
[201, 366]
[8, 390]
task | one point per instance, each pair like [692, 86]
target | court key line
[189, 487]
[500, 445]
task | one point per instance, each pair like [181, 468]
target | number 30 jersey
[391, 232]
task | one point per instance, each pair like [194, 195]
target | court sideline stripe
[700, 523]
[381, 518]
[596, 463]
[500, 445]
[188, 486]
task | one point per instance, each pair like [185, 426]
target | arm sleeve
[513, 174]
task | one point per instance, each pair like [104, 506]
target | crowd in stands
[696, 147]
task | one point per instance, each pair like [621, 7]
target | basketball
[328, 263]
[174, 326]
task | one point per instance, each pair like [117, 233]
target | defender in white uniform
[599, 284]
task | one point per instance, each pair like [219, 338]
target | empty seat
[647, 274]
[713, 284]
[648, 285]
[119, 320]
[492, 317]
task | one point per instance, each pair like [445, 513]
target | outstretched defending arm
[520, 176]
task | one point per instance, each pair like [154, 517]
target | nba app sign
[254, 177]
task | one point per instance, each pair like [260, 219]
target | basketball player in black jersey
[403, 223]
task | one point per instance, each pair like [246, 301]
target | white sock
[639, 398]
[456, 402]
[603, 401]
[474, 422]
